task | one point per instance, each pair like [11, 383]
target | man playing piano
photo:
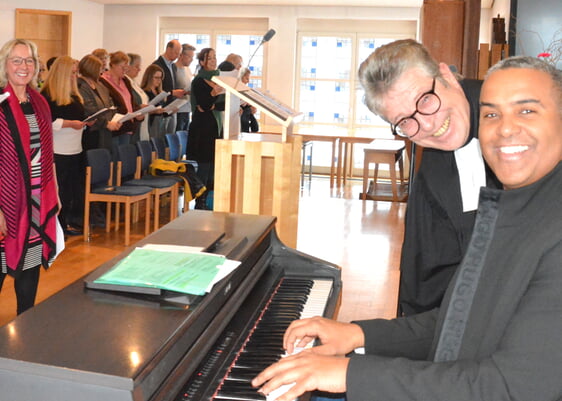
[497, 333]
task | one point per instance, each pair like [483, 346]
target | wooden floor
[363, 237]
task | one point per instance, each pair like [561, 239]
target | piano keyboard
[294, 298]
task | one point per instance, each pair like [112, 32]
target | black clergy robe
[437, 230]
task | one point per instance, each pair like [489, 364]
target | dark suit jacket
[511, 345]
[169, 80]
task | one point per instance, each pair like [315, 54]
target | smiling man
[521, 124]
[425, 102]
[497, 333]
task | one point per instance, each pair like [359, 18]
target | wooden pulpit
[258, 173]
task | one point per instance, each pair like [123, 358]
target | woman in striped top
[28, 193]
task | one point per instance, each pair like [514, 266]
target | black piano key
[246, 375]
[240, 395]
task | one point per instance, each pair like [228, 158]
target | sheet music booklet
[129, 116]
[158, 98]
[166, 267]
[176, 104]
[98, 113]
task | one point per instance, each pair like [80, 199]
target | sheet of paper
[147, 109]
[173, 248]
[176, 104]
[99, 112]
[158, 98]
[4, 96]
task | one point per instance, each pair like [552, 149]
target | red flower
[546, 55]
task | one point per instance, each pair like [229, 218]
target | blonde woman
[67, 112]
[28, 195]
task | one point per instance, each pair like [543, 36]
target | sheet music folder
[206, 240]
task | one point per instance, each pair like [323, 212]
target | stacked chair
[100, 188]
[130, 172]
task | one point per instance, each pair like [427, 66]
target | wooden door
[49, 30]
[443, 30]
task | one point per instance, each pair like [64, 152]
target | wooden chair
[99, 188]
[159, 147]
[129, 173]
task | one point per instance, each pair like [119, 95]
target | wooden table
[333, 139]
[309, 136]
[345, 154]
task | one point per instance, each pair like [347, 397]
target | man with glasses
[425, 102]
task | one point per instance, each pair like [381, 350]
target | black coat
[203, 130]
[168, 83]
[437, 230]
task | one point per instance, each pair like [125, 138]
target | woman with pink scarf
[28, 193]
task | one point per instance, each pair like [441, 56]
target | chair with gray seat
[99, 187]
[129, 173]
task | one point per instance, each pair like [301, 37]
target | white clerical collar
[472, 174]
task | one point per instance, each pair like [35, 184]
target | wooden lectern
[258, 173]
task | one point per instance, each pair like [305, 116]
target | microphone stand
[268, 35]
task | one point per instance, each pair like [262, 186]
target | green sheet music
[189, 273]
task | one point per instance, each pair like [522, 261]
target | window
[328, 92]
[199, 41]
[243, 44]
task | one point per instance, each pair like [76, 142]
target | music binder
[204, 240]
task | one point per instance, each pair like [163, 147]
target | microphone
[266, 38]
[268, 35]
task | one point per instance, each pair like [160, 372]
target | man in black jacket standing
[170, 84]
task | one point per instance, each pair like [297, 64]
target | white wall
[87, 21]
[135, 29]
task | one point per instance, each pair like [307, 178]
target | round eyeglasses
[428, 103]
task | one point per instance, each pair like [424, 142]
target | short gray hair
[532, 63]
[133, 57]
[384, 67]
[5, 53]
[187, 47]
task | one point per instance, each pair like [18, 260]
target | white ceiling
[370, 3]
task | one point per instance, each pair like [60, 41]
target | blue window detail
[314, 43]
[311, 114]
[339, 44]
[371, 45]
[338, 88]
[336, 115]
[313, 70]
[228, 41]
[251, 68]
[199, 41]
[252, 42]
[312, 87]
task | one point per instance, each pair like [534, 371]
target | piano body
[89, 344]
